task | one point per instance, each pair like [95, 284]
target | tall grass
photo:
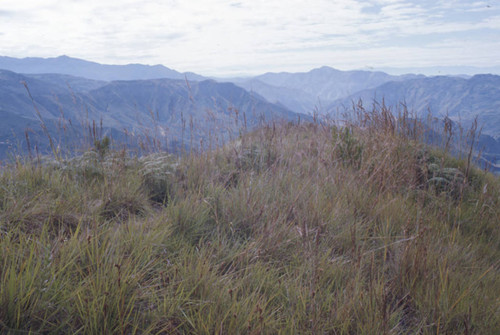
[291, 229]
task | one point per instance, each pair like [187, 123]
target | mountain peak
[326, 68]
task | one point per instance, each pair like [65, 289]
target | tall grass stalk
[307, 228]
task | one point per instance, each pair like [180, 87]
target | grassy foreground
[304, 229]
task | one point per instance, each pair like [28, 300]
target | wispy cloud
[218, 36]
[6, 13]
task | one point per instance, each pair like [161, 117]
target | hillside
[166, 109]
[314, 91]
[330, 92]
[292, 229]
[459, 98]
[185, 112]
[462, 100]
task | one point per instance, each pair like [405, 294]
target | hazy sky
[227, 37]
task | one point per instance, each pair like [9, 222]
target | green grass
[292, 229]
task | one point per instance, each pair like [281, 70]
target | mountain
[91, 70]
[77, 84]
[54, 102]
[458, 98]
[163, 108]
[313, 91]
[293, 99]
[467, 71]
[135, 97]
[172, 102]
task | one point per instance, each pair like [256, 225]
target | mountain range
[170, 109]
[91, 70]
[459, 99]
[313, 91]
[131, 98]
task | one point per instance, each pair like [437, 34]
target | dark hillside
[174, 110]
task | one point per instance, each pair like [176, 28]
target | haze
[228, 38]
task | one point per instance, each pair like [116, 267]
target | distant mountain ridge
[467, 71]
[170, 107]
[91, 70]
[66, 82]
[458, 98]
[329, 92]
[313, 91]
[128, 96]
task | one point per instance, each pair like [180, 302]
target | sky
[240, 37]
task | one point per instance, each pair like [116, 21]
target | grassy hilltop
[292, 229]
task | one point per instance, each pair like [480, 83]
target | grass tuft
[307, 229]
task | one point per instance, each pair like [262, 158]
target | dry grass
[292, 229]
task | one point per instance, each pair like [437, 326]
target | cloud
[222, 35]
[6, 13]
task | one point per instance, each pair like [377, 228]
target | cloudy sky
[229, 37]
